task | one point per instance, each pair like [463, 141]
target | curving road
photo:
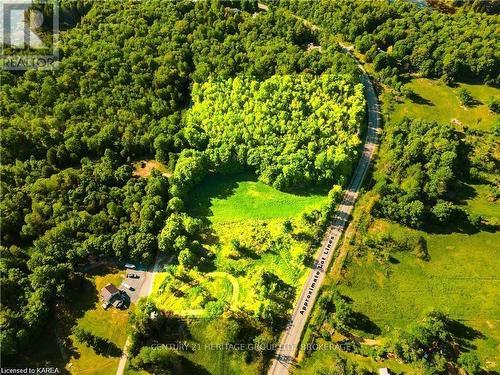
[291, 337]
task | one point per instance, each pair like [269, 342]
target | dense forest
[119, 93]
[293, 131]
[402, 37]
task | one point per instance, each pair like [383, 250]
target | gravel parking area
[135, 283]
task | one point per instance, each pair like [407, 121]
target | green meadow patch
[460, 279]
[246, 238]
[435, 101]
[482, 204]
[238, 197]
[205, 335]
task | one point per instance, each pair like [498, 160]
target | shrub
[494, 104]
[443, 211]
[470, 362]
[465, 97]
[155, 360]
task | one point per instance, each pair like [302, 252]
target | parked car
[133, 275]
[125, 285]
[129, 265]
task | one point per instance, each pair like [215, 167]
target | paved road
[291, 337]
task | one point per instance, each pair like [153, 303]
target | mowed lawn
[439, 102]
[461, 279]
[229, 198]
[110, 325]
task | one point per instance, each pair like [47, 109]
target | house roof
[109, 291]
[384, 371]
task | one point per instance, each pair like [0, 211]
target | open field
[110, 325]
[243, 209]
[230, 198]
[461, 279]
[436, 101]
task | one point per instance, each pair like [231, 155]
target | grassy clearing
[460, 266]
[436, 101]
[241, 208]
[240, 197]
[461, 279]
[110, 325]
[220, 286]
[321, 360]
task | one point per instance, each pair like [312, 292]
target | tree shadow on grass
[474, 103]
[81, 297]
[464, 334]
[463, 193]
[418, 99]
[460, 224]
[307, 191]
[363, 323]
[249, 253]
[214, 186]
[106, 348]
[189, 367]
[103, 270]
[393, 260]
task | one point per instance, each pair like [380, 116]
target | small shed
[384, 371]
[109, 292]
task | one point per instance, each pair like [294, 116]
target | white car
[125, 285]
[129, 265]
